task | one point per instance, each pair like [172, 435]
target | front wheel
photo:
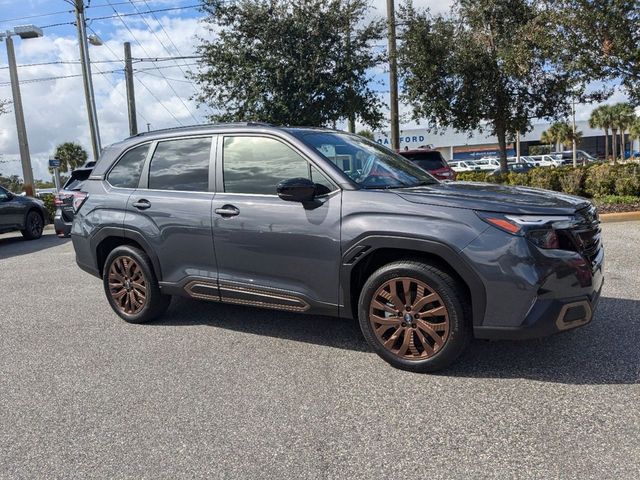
[413, 315]
[34, 225]
[131, 286]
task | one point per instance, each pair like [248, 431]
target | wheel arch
[370, 253]
[109, 238]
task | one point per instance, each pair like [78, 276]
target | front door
[172, 208]
[271, 252]
[11, 210]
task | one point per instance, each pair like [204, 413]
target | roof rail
[218, 124]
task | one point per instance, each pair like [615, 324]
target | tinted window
[77, 179]
[257, 164]
[126, 173]
[181, 165]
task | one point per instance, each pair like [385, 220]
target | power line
[118, 15]
[143, 85]
[40, 15]
[146, 53]
[195, 90]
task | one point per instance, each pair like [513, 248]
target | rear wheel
[413, 316]
[34, 225]
[131, 286]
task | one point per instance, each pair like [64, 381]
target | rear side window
[426, 160]
[181, 165]
[126, 173]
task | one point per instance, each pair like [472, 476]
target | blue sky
[55, 110]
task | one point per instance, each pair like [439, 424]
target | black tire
[447, 294]
[33, 226]
[119, 276]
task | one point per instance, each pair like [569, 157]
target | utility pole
[86, 77]
[393, 76]
[131, 96]
[27, 31]
[573, 136]
[517, 147]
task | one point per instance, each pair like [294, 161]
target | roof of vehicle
[418, 150]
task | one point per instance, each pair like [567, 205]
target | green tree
[4, 106]
[560, 134]
[599, 39]
[634, 130]
[12, 183]
[71, 156]
[484, 66]
[602, 117]
[366, 134]
[289, 62]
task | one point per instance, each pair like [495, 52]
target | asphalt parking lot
[215, 391]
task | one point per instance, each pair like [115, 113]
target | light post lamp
[24, 32]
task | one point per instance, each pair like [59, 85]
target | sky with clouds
[55, 110]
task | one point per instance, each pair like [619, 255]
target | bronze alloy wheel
[127, 285]
[409, 318]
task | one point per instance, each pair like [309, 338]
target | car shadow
[604, 352]
[14, 245]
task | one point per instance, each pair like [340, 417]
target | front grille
[587, 233]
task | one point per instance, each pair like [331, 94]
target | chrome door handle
[142, 204]
[227, 211]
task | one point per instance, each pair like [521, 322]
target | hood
[490, 197]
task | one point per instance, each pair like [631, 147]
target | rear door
[11, 211]
[172, 207]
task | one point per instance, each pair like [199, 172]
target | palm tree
[559, 134]
[634, 131]
[71, 156]
[623, 116]
[601, 118]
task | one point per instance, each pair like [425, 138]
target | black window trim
[219, 184]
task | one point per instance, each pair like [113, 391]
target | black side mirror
[296, 190]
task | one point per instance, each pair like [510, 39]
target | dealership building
[464, 146]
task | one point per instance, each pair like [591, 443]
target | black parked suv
[64, 200]
[319, 221]
[25, 214]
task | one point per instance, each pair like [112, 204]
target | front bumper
[533, 293]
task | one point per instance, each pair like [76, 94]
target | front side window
[181, 165]
[126, 173]
[255, 165]
[367, 163]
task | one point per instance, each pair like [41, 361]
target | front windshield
[367, 163]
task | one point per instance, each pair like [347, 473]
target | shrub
[546, 178]
[49, 206]
[600, 180]
[572, 180]
[471, 176]
[627, 185]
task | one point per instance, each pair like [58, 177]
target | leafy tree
[71, 156]
[602, 117]
[366, 134]
[4, 106]
[12, 183]
[289, 62]
[634, 129]
[599, 38]
[484, 66]
[561, 135]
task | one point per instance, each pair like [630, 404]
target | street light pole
[131, 97]
[86, 78]
[393, 76]
[25, 157]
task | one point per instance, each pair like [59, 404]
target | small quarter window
[126, 173]
[181, 165]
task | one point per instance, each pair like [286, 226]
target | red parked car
[430, 160]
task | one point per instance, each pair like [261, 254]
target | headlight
[541, 230]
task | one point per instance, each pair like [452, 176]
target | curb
[619, 217]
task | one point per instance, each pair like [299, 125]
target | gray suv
[318, 221]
